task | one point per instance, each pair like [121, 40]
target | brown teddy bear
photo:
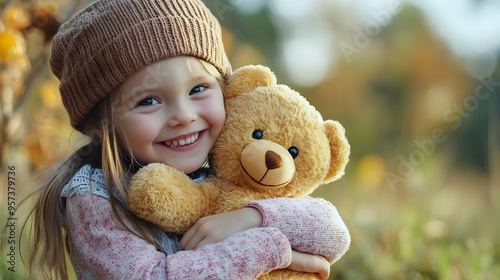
[274, 144]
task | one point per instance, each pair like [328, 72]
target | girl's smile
[184, 142]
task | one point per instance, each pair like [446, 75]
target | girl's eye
[197, 89]
[148, 101]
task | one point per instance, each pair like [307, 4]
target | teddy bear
[273, 144]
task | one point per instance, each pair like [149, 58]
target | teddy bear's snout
[267, 164]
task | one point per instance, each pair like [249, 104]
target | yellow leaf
[17, 17]
[7, 45]
[11, 46]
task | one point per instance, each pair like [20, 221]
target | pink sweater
[101, 248]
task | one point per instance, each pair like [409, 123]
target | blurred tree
[475, 137]
[255, 28]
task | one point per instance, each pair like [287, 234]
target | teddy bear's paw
[166, 197]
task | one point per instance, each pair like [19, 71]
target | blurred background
[415, 84]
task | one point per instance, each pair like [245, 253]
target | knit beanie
[105, 43]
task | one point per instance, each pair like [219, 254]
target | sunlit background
[415, 83]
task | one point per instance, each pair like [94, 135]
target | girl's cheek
[146, 132]
[217, 110]
[140, 131]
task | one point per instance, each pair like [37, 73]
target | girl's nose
[181, 115]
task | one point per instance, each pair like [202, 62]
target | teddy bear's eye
[257, 134]
[293, 151]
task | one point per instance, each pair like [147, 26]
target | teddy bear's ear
[247, 78]
[339, 149]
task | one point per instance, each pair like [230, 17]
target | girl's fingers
[215, 228]
[190, 238]
[310, 263]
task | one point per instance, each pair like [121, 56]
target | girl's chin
[187, 170]
[189, 167]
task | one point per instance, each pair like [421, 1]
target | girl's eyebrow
[142, 88]
[206, 78]
[131, 97]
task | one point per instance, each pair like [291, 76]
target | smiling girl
[144, 81]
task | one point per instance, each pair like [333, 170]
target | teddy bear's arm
[168, 198]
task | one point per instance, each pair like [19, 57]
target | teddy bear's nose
[273, 160]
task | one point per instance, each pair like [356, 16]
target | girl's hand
[310, 263]
[213, 229]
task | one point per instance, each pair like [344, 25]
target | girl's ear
[339, 150]
[247, 78]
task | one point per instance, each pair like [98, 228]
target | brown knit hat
[102, 45]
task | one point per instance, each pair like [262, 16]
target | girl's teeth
[182, 142]
[190, 140]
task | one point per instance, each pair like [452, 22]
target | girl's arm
[312, 225]
[102, 248]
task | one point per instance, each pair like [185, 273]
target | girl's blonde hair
[108, 151]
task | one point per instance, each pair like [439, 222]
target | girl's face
[171, 112]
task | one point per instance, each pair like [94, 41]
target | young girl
[144, 80]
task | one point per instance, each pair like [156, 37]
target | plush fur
[248, 168]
